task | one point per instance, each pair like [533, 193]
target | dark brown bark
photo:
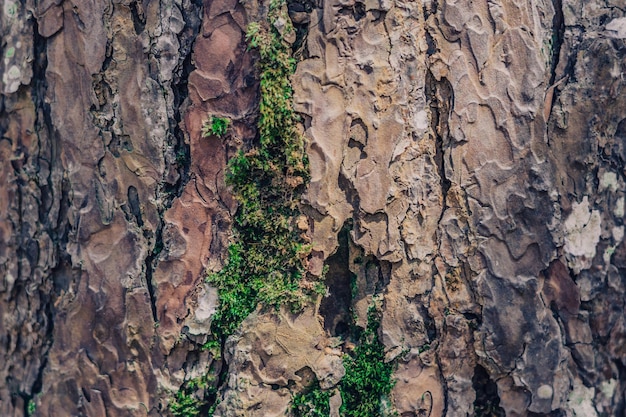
[467, 167]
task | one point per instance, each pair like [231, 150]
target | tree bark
[467, 163]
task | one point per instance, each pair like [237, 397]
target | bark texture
[467, 167]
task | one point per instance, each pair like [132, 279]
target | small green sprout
[32, 407]
[215, 126]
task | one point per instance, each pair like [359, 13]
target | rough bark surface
[467, 167]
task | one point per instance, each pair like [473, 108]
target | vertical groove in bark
[55, 227]
[556, 41]
[27, 213]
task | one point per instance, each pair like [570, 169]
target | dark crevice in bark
[475, 320]
[444, 383]
[133, 201]
[150, 262]
[191, 11]
[430, 11]
[300, 14]
[181, 163]
[429, 323]
[440, 98]
[487, 402]
[556, 42]
[358, 138]
[55, 228]
[335, 308]
[222, 374]
[432, 47]
[181, 144]
[558, 36]
[139, 18]
[352, 195]
[44, 129]
[384, 274]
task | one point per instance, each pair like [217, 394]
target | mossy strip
[266, 257]
[366, 386]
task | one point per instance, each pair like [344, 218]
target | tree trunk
[467, 184]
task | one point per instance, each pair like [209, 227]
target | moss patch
[266, 257]
[366, 386]
[215, 126]
[267, 254]
[191, 399]
[312, 402]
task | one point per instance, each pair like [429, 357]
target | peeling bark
[467, 170]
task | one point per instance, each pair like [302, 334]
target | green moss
[313, 402]
[367, 384]
[31, 407]
[215, 126]
[185, 405]
[192, 398]
[265, 258]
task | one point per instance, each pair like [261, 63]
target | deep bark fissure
[620, 407]
[558, 36]
[351, 193]
[300, 13]
[139, 18]
[444, 382]
[150, 264]
[440, 99]
[176, 139]
[439, 112]
[487, 401]
[57, 232]
[335, 308]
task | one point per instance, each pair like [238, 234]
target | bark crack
[439, 98]
[176, 152]
[558, 35]
[46, 155]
